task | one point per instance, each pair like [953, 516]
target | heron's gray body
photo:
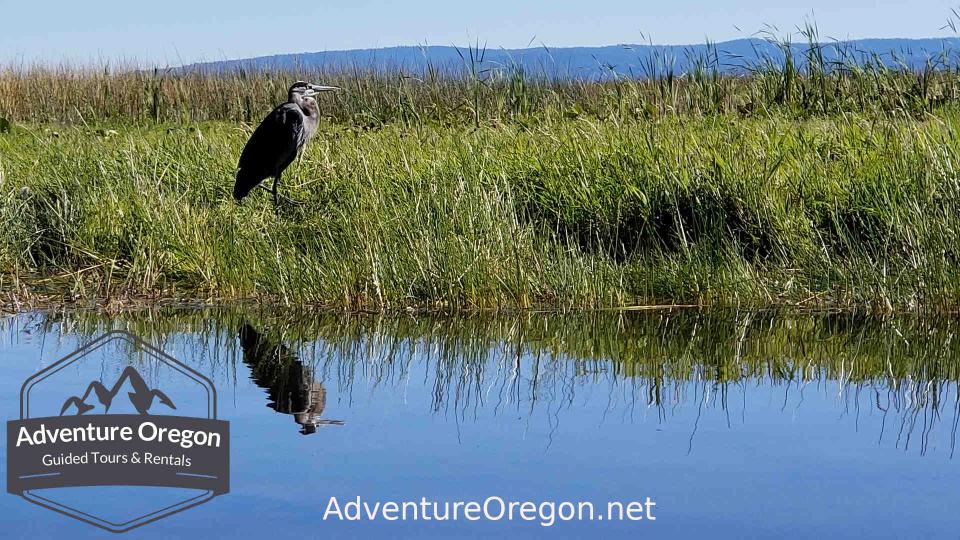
[277, 141]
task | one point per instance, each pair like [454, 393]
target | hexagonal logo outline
[158, 355]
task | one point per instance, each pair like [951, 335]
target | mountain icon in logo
[141, 398]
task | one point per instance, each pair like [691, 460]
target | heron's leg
[277, 195]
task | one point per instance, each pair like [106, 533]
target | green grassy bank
[841, 209]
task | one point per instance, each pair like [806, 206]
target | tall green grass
[850, 210]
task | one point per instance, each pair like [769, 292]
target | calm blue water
[736, 426]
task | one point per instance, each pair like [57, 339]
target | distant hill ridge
[600, 62]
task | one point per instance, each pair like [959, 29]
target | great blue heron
[278, 139]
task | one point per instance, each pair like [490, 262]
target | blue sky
[174, 31]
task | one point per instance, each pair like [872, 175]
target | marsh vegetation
[806, 182]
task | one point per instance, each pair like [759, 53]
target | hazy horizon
[135, 63]
[188, 32]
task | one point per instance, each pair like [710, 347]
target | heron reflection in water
[289, 384]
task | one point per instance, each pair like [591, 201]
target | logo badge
[122, 423]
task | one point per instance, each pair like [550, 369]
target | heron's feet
[283, 205]
[287, 200]
[281, 198]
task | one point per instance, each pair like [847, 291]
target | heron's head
[304, 89]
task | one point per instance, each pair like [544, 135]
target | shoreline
[126, 304]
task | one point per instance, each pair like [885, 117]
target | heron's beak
[321, 88]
